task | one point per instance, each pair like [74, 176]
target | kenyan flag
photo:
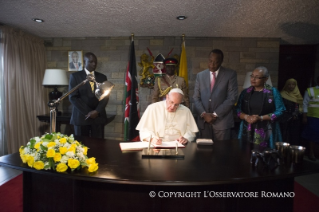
[132, 114]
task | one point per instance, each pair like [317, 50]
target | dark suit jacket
[220, 100]
[84, 100]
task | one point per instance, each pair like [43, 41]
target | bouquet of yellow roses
[58, 152]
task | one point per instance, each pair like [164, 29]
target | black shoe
[313, 158]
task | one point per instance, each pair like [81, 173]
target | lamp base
[54, 95]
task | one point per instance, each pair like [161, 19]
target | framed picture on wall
[75, 59]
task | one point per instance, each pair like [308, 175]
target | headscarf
[294, 95]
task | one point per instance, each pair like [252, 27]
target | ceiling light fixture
[38, 20]
[181, 17]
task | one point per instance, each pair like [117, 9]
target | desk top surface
[225, 162]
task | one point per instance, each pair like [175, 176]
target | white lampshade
[55, 78]
[247, 80]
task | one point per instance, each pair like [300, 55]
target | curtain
[24, 62]
[3, 146]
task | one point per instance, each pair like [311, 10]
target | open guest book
[144, 145]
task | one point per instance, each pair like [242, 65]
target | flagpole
[183, 62]
[131, 112]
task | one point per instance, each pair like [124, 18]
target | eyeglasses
[254, 77]
[170, 103]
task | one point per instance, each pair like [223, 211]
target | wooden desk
[125, 181]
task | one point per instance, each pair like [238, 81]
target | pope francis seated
[168, 120]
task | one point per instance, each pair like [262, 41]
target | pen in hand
[159, 139]
[87, 117]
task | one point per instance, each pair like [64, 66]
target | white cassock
[158, 122]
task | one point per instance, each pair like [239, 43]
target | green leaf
[46, 140]
[43, 148]
[54, 137]
[32, 142]
[83, 164]
[51, 162]
[48, 136]
[70, 140]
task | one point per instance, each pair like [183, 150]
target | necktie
[92, 83]
[76, 66]
[213, 81]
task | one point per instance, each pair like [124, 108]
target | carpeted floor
[11, 197]
[305, 201]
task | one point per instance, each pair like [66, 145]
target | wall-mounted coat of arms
[151, 68]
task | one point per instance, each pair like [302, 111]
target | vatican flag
[183, 64]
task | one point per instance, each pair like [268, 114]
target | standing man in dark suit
[214, 96]
[88, 113]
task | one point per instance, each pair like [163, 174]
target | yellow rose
[30, 160]
[73, 163]
[21, 150]
[71, 149]
[90, 161]
[63, 150]
[61, 167]
[85, 150]
[23, 158]
[57, 157]
[93, 167]
[50, 153]
[38, 165]
[37, 145]
[62, 140]
[51, 144]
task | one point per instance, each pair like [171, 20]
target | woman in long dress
[259, 107]
[290, 121]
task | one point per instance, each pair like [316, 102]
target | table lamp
[54, 78]
[102, 90]
[247, 80]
